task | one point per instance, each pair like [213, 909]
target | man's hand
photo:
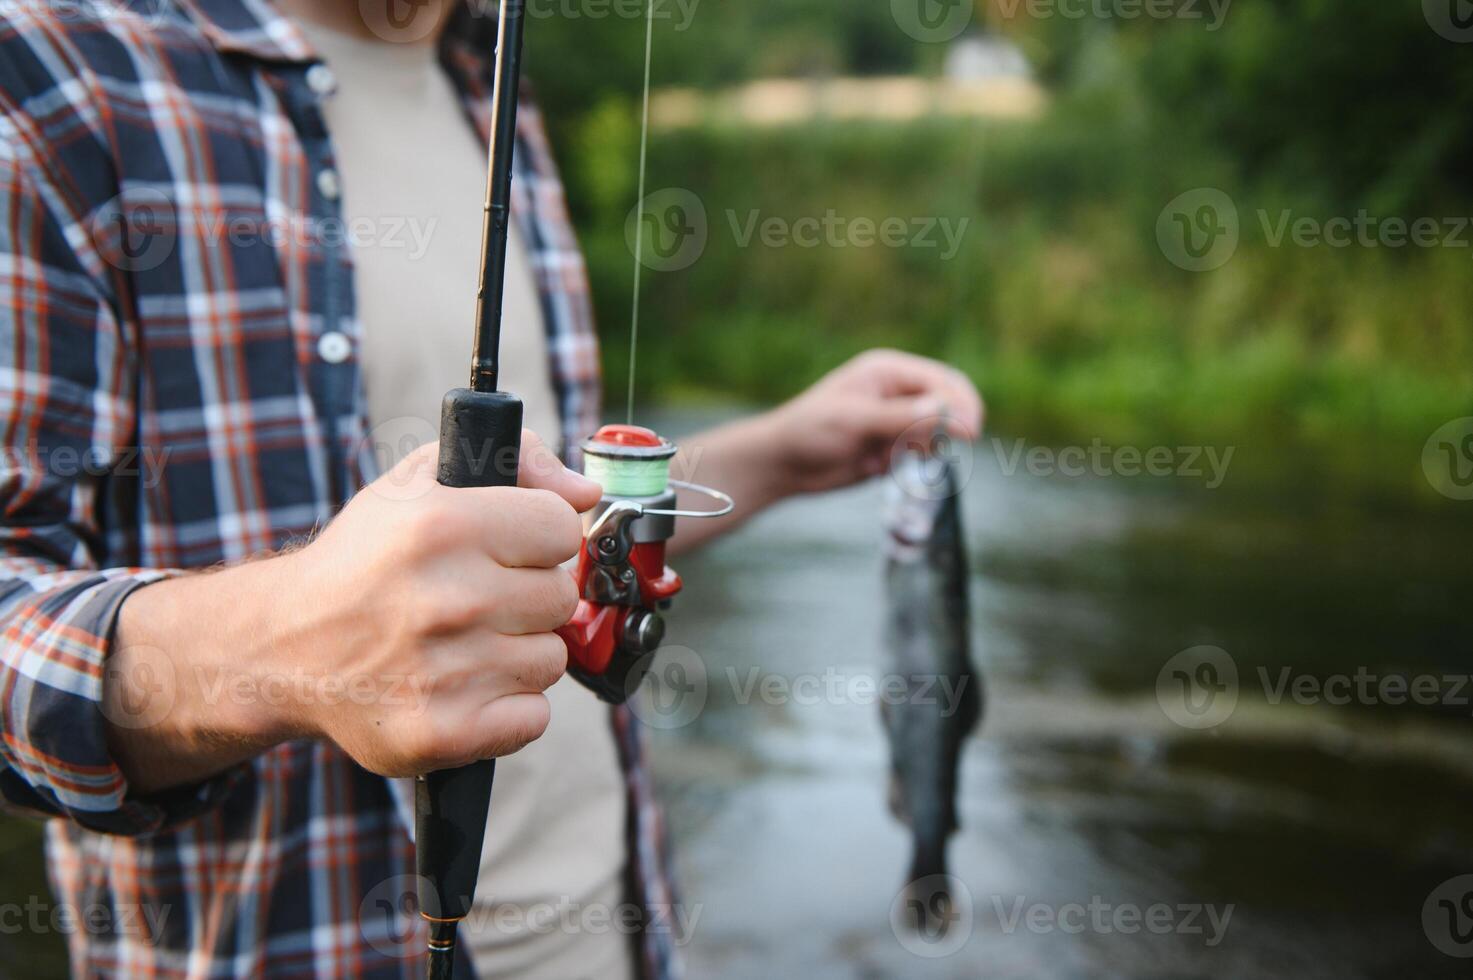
[838, 432]
[416, 631]
[842, 429]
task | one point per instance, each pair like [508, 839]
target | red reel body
[606, 640]
[623, 581]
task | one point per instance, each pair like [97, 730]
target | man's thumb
[538, 468]
[541, 469]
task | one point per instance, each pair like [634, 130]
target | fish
[928, 657]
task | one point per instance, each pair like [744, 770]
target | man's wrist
[770, 441]
[183, 687]
[756, 449]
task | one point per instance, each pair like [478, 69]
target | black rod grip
[480, 441]
[480, 438]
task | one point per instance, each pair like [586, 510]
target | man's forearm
[182, 686]
[740, 459]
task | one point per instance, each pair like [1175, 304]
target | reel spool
[623, 581]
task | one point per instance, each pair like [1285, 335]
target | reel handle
[480, 442]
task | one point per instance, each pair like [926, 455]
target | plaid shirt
[180, 388]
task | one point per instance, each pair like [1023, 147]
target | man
[209, 319]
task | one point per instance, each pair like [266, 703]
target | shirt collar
[258, 28]
[254, 27]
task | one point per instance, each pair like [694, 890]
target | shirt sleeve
[66, 418]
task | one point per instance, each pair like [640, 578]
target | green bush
[1059, 299]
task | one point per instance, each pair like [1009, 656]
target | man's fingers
[541, 469]
[912, 420]
[532, 525]
[534, 600]
[522, 528]
[532, 663]
[511, 722]
[529, 663]
[498, 728]
[911, 376]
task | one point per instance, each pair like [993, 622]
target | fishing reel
[623, 581]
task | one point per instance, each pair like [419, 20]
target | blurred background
[1143, 253]
[1235, 233]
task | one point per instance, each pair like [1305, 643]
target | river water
[1099, 837]
[1289, 838]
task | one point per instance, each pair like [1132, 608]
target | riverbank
[1046, 258]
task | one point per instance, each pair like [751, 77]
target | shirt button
[334, 347]
[328, 184]
[321, 80]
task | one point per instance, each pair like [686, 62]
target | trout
[936, 698]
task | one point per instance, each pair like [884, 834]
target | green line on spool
[628, 477]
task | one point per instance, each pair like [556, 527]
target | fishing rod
[623, 581]
[480, 442]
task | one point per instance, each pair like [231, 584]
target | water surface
[1320, 830]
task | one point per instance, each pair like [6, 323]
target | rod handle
[480, 442]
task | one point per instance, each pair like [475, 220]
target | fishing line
[644, 144]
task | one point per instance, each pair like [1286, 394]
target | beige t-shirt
[413, 174]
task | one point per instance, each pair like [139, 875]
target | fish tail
[928, 892]
[929, 858]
